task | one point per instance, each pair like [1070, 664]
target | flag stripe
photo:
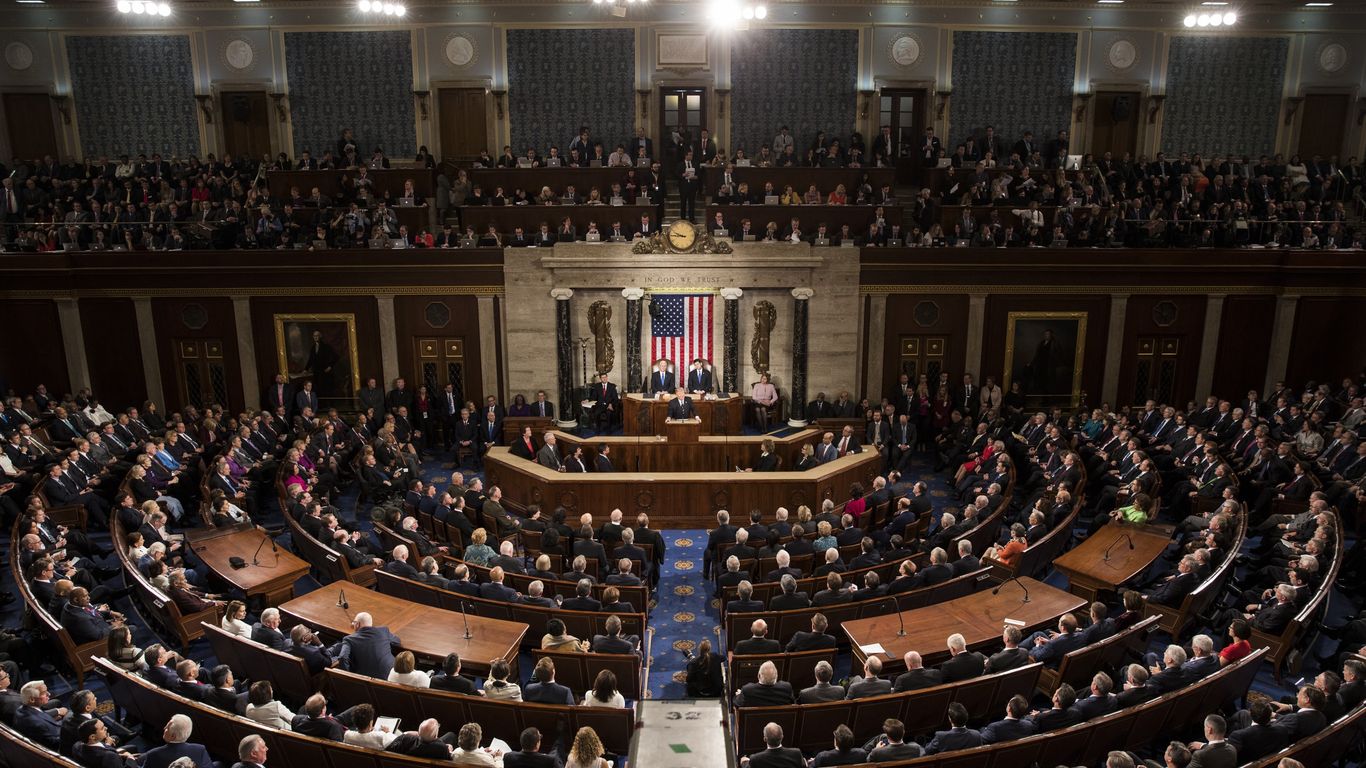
[681, 330]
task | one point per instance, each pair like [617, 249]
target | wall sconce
[1154, 106]
[422, 102]
[281, 106]
[205, 106]
[1084, 99]
[645, 94]
[498, 100]
[867, 103]
[1292, 105]
[721, 94]
[63, 105]
[943, 101]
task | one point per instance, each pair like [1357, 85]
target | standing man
[689, 174]
[929, 149]
[606, 404]
[322, 358]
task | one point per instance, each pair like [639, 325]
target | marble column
[1209, 345]
[800, 315]
[972, 352]
[246, 352]
[147, 344]
[634, 308]
[1114, 344]
[730, 355]
[488, 347]
[73, 343]
[388, 341]
[564, 357]
[873, 345]
[1281, 329]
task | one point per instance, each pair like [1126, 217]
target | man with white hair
[1169, 677]
[508, 560]
[1202, 662]
[722, 534]
[368, 650]
[758, 641]
[732, 575]
[628, 549]
[267, 630]
[427, 741]
[774, 755]
[768, 691]
[535, 595]
[251, 752]
[938, 571]
[34, 719]
[176, 734]
[399, 565]
[741, 549]
[784, 563]
[425, 547]
[916, 675]
[962, 664]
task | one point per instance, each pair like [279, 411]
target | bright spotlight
[1202, 20]
[364, 6]
[137, 6]
[400, 10]
[1215, 20]
[164, 9]
[1189, 20]
[1230, 18]
[747, 13]
[761, 12]
[125, 6]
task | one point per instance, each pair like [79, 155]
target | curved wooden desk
[645, 415]
[678, 499]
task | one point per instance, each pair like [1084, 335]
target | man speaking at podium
[681, 406]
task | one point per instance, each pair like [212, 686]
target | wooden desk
[428, 632]
[662, 453]
[1090, 571]
[979, 617]
[512, 427]
[532, 179]
[529, 217]
[387, 180]
[825, 179]
[273, 579]
[645, 415]
[858, 217]
[678, 499]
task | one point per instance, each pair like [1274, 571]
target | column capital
[561, 294]
[802, 294]
[731, 294]
[633, 294]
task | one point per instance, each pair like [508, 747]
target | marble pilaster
[730, 356]
[800, 320]
[564, 356]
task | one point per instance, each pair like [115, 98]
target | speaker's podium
[680, 431]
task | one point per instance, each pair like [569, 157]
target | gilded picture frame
[1045, 352]
[294, 352]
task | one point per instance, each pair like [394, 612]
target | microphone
[264, 539]
[1127, 537]
[902, 621]
[466, 618]
[341, 599]
[1015, 579]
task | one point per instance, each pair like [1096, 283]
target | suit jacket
[38, 725]
[1301, 724]
[956, 738]
[531, 760]
[1258, 741]
[1009, 658]
[1174, 591]
[659, 382]
[1053, 719]
[860, 687]
[370, 651]
[548, 693]
[1220, 755]
[786, 602]
[1094, 706]
[821, 692]
[916, 679]
[681, 409]
[496, 591]
[810, 641]
[1007, 730]
[83, 625]
[757, 645]
[888, 753]
[964, 666]
[1060, 645]
[550, 457]
[164, 755]
[760, 695]
[778, 757]
[97, 756]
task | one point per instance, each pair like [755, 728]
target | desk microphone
[1106, 557]
[1015, 579]
[468, 636]
[341, 599]
[902, 621]
[264, 538]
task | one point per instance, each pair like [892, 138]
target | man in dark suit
[1016, 724]
[1215, 751]
[775, 755]
[916, 675]
[543, 689]
[542, 407]
[758, 641]
[369, 650]
[1136, 690]
[223, 694]
[1170, 676]
[966, 562]
[789, 598]
[613, 641]
[823, 690]
[744, 601]
[1308, 719]
[699, 378]
[1259, 739]
[929, 149]
[813, 640]
[425, 742]
[176, 736]
[1061, 714]
[35, 719]
[767, 691]
[1012, 656]
[681, 406]
[494, 589]
[92, 749]
[530, 755]
[959, 736]
[891, 746]
[869, 683]
[1099, 702]
[962, 664]
[582, 599]
[722, 534]
[1050, 648]
[661, 380]
[937, 572]
[585, 546]
[1174, 590]
[606, 404]
[83, 621]
[280, 394]
[307, 646]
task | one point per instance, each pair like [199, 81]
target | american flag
[680, 330]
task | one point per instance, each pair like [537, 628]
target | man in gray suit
[869, 684]
[1215, 752]
[823, 690]
[549, 455]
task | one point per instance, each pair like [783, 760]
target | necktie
[844, 444]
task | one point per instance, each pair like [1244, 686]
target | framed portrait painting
[1044, 353]
[320, 348]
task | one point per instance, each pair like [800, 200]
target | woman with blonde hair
[586, 751]
[478, 552]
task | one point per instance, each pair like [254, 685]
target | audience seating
[253, 661]
[504, 218]
[159, 606]
[18, 751]
[1324, 747]
[1282, 645]
[797, 668]
[1078, 666]
[78, 657]
[1038, 556]
[577, 670]
[1173, 621]
[765, 590]
[326, 561]
[385, 181]
[858, 217]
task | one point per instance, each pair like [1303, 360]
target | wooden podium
[683, 430]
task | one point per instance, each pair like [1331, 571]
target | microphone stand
[901, 632]
[264, 539]
[468, 636]
[1106, 557]
[1015, 579]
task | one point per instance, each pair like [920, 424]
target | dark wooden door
[1324, 127]
[246, 123]
[682, 110]
[463, 113]
[201, 372]
[902, 110]
[28, 117]
[1115, 123]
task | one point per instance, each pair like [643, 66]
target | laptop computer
[742, 163]
[770, 199]
[592, 237]
[720, 233]
[399, 245]
[1059, 243]
[642, 162]
[1073, 163]
[847, 243]
[552, 162]
[894, 242]
[467, 242]
[568, 201]
[821, 242]
[617, 201]
[377, 242]
[523, 162]
[71, 246]
[407, 202]
[944, 162]
[320, 245]
[617, 238]
[643, 200]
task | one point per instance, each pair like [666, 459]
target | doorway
[463, 116]
[922, 356]
[201, 372]
[246, 123]
[1324, 126]
[1115, 122]
[904, 110]
[682, 110]
[28, 117]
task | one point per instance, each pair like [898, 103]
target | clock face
[682, 235]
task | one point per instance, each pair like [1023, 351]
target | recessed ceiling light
[30, 2]
[1213, 2]
[1111, 2]
[1317, 5]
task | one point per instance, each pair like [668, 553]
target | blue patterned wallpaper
[806, 79]
[134, 94]
[357, 80]
[1014, 81]
[1223, 94]
[560, 79]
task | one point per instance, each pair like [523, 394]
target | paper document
[873, 649]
